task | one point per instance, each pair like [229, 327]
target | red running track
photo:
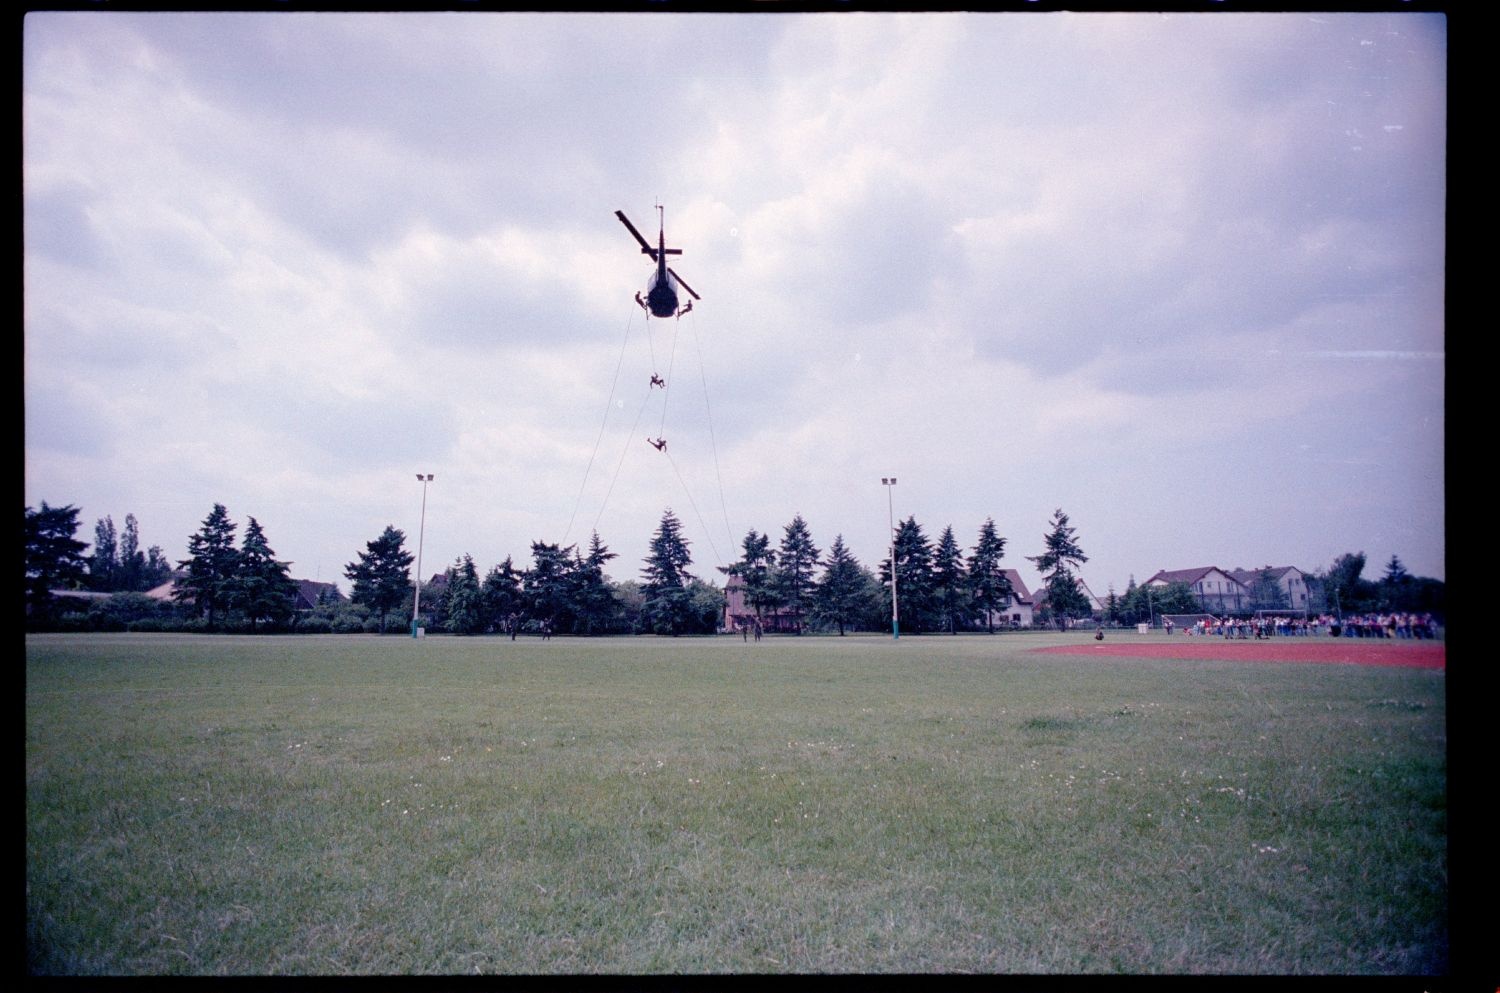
[1347, 651]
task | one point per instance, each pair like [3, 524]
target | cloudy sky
[1180, 276]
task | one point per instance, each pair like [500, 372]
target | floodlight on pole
[416, 607]
[889, 484]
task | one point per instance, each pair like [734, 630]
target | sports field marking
[1337, 651]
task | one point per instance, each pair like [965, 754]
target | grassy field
[348, 805]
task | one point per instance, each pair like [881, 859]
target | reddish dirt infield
[1345, 651]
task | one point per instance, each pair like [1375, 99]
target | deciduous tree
[104, 560]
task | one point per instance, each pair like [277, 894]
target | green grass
[348, 805]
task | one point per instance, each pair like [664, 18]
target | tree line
[791, 585]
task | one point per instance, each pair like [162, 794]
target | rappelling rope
[629, 319]
[661, 432]
[694, 504]
[623, 452]
[712, 442]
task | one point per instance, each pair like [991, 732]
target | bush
[348, 623]
[154, 624]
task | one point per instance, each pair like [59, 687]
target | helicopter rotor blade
[683, 284]
[645, 245]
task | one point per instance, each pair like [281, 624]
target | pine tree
[502, 596]
[1129, 606]
[210, 565]
[54, 558]
[796, 560]
[948, 581]
[547, 588]
[594, 601]
[988, 583]
[1064, 596]
[382, 576]
[843, 596]
[667, 606]
[1111, 607]
[261, 587]
[913, 576]
[755, 570]
[463, 601]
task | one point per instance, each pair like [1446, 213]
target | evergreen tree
[949, 583]
[755, 569]
[1064, 596]
[796, 560]
[210, 566]
[1395, 571]
[463, 602]
[547, 588]
[989, 586]
[913, 577]
[261, 587]
[54, 558]
[1129, 608]
[667, 606]
[382, 577]
[502, 595]
[844, 596]
[1112, 607]
[594, 602]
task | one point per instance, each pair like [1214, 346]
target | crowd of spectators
[1387, 625]
[1391, 625]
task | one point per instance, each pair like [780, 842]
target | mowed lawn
[348, 805]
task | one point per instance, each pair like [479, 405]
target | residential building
[1217, 591]
[1295, 584]
[1018, 613]
[738, 614]
[310, 591]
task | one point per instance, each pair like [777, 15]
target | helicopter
[661, 293]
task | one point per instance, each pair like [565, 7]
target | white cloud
[1117, 263]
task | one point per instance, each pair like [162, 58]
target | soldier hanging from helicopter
[661, 298]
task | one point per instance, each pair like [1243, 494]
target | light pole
[416, 606]
[890, 484]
